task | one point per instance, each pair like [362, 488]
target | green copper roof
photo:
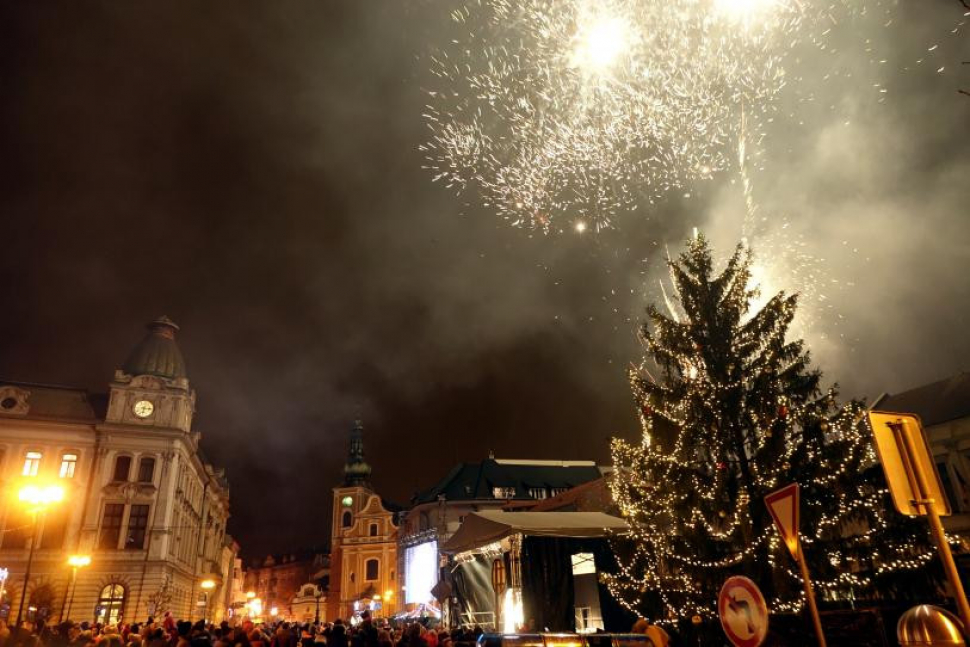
[158, 353]
[356, 469]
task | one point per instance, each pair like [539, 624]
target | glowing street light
[255, 606]
[206, 585]
[75, 562]
[36, 499]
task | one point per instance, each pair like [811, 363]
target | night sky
[252, 171]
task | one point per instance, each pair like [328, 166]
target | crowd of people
[171, 633]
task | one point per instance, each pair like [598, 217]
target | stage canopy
[489, 526]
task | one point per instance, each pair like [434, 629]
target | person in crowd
[656, 636]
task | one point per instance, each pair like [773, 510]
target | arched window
[41, 603]
[146, 470]
[32, 463]
[68, 465]
[373, 530]
[348, 519]
[122, 468]
[372, 570]
[111, 604]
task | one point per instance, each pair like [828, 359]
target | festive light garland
[738, 414]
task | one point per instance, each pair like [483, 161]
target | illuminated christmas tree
[736, 413]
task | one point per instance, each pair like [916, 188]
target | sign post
[915, 485]
[743, 612]
[783, 506]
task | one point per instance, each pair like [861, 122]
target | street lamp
[36, 498]
[206, 586]
[317, 594]
[75, 562]
[4, 574]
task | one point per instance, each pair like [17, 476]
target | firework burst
[559, 110]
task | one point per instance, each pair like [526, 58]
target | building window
[503, 492]
[32, 463]
[373, 530]
[17, 529]
[137, 523]
[348, 520]
[41, 603]
[55, 523]
[68, 465]
[146, 470]
[122, 468]
[372, 570]
[111, 604]
[537, 492]
[111, 525]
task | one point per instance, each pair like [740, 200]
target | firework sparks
[558, 110]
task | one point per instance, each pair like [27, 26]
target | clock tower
[363, 558]
[151, 389]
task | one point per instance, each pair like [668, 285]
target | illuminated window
[111, 604]
[146, 470]
[32, 463]
[372, 570]
[503, 492]
[68, 464]
[537, 492]
[122, 468]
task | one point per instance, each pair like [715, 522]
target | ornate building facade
[363, 558]
[277, 580]
[140, 498]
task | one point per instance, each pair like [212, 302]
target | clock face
[143, 408]
[347, 501]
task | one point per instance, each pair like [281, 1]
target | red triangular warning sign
[783, 506]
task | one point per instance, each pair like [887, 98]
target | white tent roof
[488, 526]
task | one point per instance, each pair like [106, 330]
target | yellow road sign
[900, 443]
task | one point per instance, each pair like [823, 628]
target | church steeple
[356, 470]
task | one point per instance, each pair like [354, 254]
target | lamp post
[37, 499]
[76, 562]
[206, 586]
[318, 594]
[4, 574]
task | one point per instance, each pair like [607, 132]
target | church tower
[151, 389]
[363, 559]
[356, 470]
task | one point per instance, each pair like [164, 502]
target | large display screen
[420, 572]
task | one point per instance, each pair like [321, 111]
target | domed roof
[158, 353]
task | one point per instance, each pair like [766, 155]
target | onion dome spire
[157, 353]
[356, 470]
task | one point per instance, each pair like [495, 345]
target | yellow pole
[936, 526]
[810, 597]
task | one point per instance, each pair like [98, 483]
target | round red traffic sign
[743, 612]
